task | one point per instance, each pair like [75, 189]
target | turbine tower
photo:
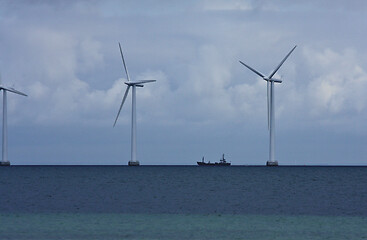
[5, 161]
[271, 111]
[133, 85]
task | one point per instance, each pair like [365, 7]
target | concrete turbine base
[6, 163]
[134, 163]
[272, 163]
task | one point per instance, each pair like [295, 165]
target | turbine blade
[281, 63]
[122, 103]
[143, 81]
[13, 91]
[123, 61]
[258, 73]
[268, 101]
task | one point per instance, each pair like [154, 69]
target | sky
[65, 56]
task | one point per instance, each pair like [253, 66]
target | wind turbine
[5, 161]
[133, 85]
[270, 100]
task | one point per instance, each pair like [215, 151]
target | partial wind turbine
[5, 161]
[270, 102]
[133, 85]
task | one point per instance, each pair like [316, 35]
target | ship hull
[213, 164]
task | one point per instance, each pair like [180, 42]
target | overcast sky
[65, 56]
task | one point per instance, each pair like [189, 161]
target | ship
[222, 162]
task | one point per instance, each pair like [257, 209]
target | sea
[183, 202]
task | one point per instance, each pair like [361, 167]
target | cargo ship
[222, 162]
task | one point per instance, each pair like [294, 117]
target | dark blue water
[157, 202]
[334, 191]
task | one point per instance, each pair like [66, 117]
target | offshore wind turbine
[4, 160]
[133, 85]
[271, 111]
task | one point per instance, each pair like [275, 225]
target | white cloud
[206, 90]
[219, 5]
[340, 83]
[90, 54]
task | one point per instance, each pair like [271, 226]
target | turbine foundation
[272, 163]
[6, 163]
[134, 163]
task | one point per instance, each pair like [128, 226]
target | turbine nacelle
[272, 80]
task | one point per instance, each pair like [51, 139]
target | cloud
[340, 83]
[208, 87]
[220, 5]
